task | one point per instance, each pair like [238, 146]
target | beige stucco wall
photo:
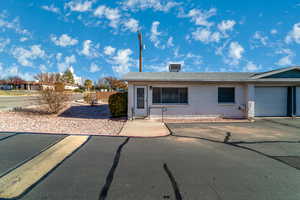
[203, 101]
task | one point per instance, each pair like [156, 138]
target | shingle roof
[202, 77]
[187, 76]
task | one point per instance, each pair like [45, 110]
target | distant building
[78, 80]
[20, 85]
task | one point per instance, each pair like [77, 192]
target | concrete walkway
[144, 128]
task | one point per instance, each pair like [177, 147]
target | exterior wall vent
[174, 67]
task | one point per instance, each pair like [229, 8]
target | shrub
[118, 104]
[79, 90]
[59, 87]
[90, 98]
[55, 100]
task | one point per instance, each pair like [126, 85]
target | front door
[140, 101]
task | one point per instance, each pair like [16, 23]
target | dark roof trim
[269, 73]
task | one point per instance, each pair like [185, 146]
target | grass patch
[16, 93]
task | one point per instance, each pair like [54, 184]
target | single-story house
[31, 85]
[19, 85]
[176, 94]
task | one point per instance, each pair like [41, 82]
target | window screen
[226, 95]
[169, 95]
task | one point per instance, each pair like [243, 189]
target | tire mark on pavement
[110, 175]
[173, 182]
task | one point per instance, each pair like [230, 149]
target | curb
[31, 157]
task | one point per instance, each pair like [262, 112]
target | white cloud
[294, 34]
[58, 56]
[14, 71]
[200, 17]
[26, 56]
[251, 67]
[157, 5]
[67, 63]
[94, 68]
[284, 61]
[273, 31]
[287, 59]
[51, 8]
[23, 39]
[154, 37]
[89, 50]
[196, 59]
[206, 36]
[43, 68]
[3, 43]
[234, 53]
[109, 50]
[13, 25]
[112, 14]
[262, 39]
[79, 5]
[70, 59]
[122, 61]
[132, 25]
[7, 72]
[64, 40]
[226, 25]
[170, 42]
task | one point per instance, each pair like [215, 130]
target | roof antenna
[141, 50]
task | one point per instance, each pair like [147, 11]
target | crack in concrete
[266, 142]
[173, 182]
[212, 187]
[110, 175]
[281, 123]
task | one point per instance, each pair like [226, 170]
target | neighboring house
[214, 94]
[32, 85]
[19, 85]
[71, 87]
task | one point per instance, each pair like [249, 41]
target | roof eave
[274, 72]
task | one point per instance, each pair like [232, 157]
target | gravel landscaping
[76, 119]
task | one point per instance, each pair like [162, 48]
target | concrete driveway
[193, 163]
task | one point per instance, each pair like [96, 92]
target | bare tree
[116, 84]
[49, 77]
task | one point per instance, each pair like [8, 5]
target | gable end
[295, 73]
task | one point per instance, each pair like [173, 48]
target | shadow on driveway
[290, 160]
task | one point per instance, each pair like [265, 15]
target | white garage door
[298, 101]
[270, 101]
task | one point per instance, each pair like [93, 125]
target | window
[226, 95]
[140, 98]
[169, 95]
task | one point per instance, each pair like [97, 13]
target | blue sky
[98, 38]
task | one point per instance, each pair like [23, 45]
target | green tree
[88, 84]
[68, 77]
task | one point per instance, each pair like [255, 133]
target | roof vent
[174, 67]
